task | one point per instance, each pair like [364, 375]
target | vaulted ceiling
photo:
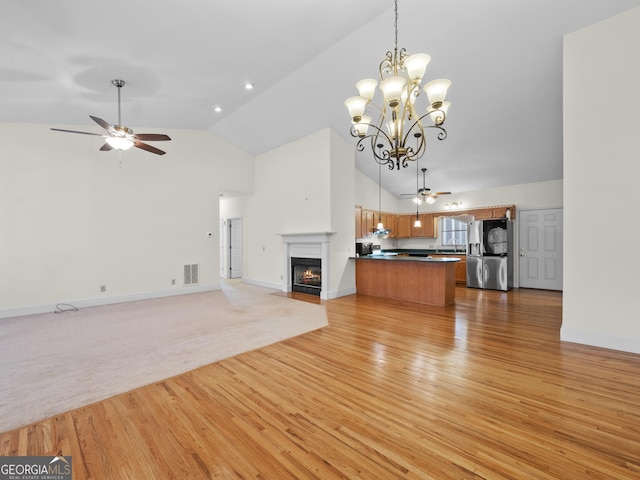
[181, 59]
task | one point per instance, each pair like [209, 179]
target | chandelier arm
[443, 133]
[379, 139]
[386, 66]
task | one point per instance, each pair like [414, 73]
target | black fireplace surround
[306, 275]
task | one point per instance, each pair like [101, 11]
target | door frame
[226, 247]
[517, 254]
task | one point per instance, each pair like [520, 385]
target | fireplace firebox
[306, 275]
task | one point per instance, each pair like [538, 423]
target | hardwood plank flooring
[482, 389]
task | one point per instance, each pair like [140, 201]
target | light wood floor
[482, 389]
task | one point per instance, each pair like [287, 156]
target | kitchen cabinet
[461, 266]
[390, 221]
[485, 213]
[401, 225]
[405, 223]
[358, 221]
[482, 213]
[427, 230]
[436, 284]
[501, 212]
[428, 225]
[367, 222]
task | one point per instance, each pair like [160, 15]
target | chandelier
[398, 133]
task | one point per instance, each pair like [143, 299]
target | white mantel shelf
[310, 237]
[307, 245]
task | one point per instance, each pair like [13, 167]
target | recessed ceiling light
[248, 86]
[217, 109]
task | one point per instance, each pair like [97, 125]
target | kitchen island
[424, 280]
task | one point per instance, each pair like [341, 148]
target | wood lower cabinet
[436, 283]
[461, 266]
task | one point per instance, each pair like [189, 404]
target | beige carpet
[52, 363]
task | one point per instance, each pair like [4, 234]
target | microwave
[364, 248]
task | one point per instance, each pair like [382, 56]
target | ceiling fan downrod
[118, 83]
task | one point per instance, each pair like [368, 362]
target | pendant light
[417, 223]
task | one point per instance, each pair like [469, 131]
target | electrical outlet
[103, 288]
[173, 281]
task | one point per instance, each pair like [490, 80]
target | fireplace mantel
[307, 245]
[313, 237]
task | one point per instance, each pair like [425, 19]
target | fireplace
[307, 246]
[306, 275]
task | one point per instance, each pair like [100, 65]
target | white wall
[73, 219]
[366, 193]
[343, 171]
[294, 194]
[601, 171]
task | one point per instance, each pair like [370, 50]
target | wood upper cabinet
[427, 230]
[401, 225]
[482, 213]
[501, 212]
[358, 221]
[428, 225]
[390, 221]
[405, 223]
[490, 212]
[367, 222]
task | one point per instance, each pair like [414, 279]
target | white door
[235, 247]
[223, 249]
[540, 252]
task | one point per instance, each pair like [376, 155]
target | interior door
[540, 252]
[235, 247]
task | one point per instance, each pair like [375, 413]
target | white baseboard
[97, 301]
[599, 339]
[339, 293]
[260, 283]
[278, 286]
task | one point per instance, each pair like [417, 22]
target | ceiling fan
[118, 136]
[425, 194]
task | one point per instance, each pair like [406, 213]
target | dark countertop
[398, 258]
[425, 252]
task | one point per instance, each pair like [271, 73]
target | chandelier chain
[396, 25]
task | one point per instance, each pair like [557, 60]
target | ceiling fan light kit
[118, 136]
[399, 127]
[424, 194]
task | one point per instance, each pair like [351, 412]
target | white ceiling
[180, 59]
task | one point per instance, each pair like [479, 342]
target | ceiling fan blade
[108, 127]
[442, 193]
[75, 131]
[106, 148]
[148, 148]
[152, 137]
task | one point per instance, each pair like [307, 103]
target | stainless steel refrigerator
[489, 254]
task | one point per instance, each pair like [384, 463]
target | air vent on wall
[191, 274]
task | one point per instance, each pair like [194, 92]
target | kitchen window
[453, 231]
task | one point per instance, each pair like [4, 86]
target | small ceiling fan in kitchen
[119, 137]
[425, 194]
